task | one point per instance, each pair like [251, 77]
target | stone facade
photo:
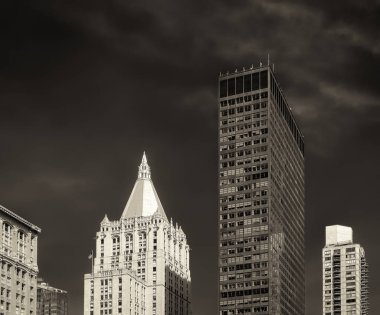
[141, 264]
[19, 270]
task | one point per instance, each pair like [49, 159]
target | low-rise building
[51, 300]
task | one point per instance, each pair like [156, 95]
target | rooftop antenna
[268, 60]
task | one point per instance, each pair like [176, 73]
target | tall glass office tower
[261, 197]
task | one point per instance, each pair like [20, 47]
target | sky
[86, 86]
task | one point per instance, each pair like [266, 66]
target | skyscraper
[18, 259]
[261, 197]
[51, 300]
[141, 265]
[345, 274]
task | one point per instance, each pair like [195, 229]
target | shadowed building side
[51, 300]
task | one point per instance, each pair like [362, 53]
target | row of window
[241, 170]
[241, 214]
[246, 240]
[241, 122]
[247, 292]
[243, 109]
[230, 198]
[258, 132]
[231, 224]
[250, 98]
[246, 310]
[243, 84]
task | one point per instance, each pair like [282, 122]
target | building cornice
[16, 217]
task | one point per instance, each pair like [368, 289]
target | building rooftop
[244, 69]
[44, 285]
[338, 235]
[47, 287]
[13, 215]
[144, 200]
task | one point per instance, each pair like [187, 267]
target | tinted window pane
[231, 86]
[247, 83]
[239, 85]
[264, 79]
[223, 88]
[255, 81]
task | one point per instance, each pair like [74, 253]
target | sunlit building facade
[18, 262]
[141, 266]
[345, 274]
[261, 197]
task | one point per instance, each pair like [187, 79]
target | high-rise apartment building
[261, 197]
[18, 259]
[141, 265]
[345, 274]
[50, 300]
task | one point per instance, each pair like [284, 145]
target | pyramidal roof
[143, 200]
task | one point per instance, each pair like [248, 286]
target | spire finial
[144, 169]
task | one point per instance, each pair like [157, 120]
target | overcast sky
[87, 86]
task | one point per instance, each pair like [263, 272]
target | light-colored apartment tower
[141, 264]
[19, 270]
[345, 274]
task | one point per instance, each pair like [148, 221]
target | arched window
[21, 244]
[7, 237]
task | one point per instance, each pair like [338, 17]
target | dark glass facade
[51, 301]
[261, 198]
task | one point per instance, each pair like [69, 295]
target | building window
[21, 245]
[7, 237]
[142, 242]
[129, 244]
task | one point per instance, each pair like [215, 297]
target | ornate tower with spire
[141, 263]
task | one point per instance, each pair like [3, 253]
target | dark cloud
[86, 86]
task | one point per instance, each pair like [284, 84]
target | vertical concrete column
[1, 234]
